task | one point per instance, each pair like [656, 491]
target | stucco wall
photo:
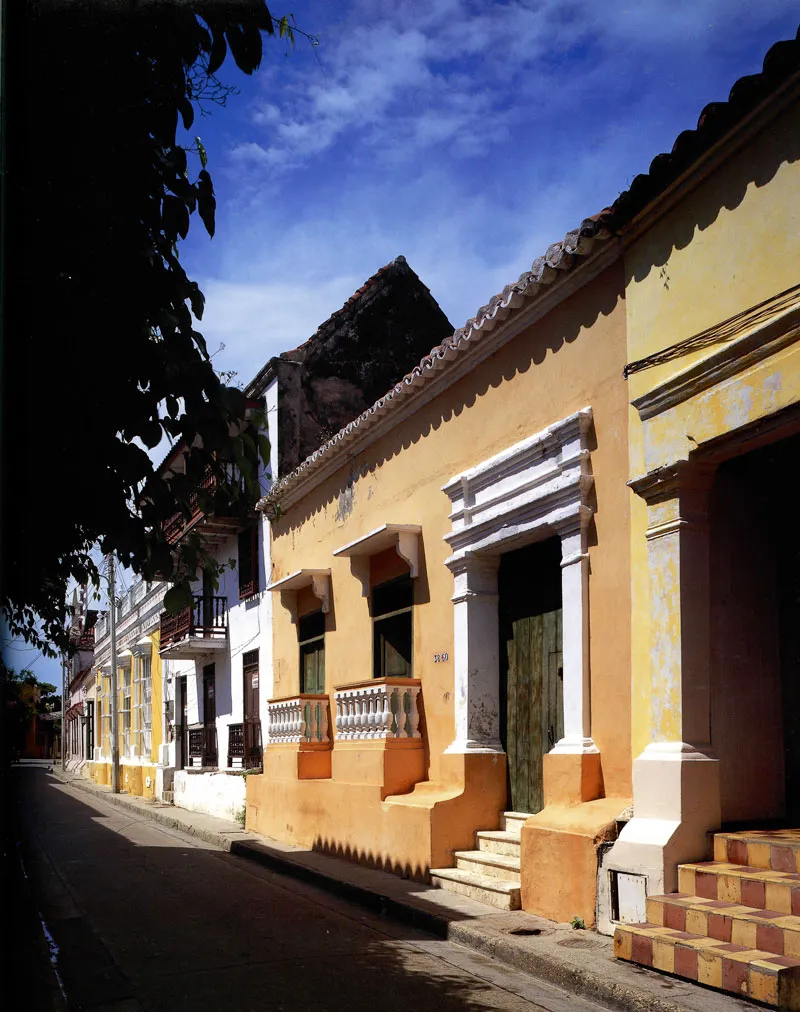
[219, 794]
[571, 359]
[730, 244]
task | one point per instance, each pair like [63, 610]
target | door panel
[531, 667]
[534, 705]
[209, 695]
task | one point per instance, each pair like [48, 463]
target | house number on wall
[438, 658]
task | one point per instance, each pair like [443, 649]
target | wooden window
[392, 605]
[248, 562]
[143, 696]
[89, 730]
[125, 711]
[311, 636]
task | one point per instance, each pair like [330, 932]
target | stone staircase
[491, 873]
[734, 925]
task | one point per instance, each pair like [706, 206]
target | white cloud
[467, 136]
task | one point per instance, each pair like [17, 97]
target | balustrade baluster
[386, 712]
[413, 716]
[365, 701]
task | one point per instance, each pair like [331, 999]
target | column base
[571, 778]
[470, 746]
[676, 805]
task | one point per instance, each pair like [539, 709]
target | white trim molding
[318, 579]
[404, 538]
[531, 491]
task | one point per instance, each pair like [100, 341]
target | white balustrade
[381, 709]
[302, 718]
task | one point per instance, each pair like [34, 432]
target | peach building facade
[451, 640]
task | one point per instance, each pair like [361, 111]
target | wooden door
[209, 695]
[251, 685]
[531, 668]
[182, 716]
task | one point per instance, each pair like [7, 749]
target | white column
[575, 626]
[476, 657]
[676, 790]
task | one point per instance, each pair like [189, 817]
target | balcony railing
[383, 708]
[301, 718]
[203, 745]
[205, 619]
[244, 745]
[176, 526]
[86, 640]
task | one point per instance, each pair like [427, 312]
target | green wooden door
[531, 668]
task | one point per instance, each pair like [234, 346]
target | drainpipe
[112, 614]
[64, 669]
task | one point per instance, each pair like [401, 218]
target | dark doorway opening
[755, 637]
[531, 667]
[182, 729]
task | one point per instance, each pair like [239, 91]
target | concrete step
[736, 883]
[752, 927]
[494, 892]
[514, 821]
[498, 841]
[747, 972]
[776, 849]
[495, 865]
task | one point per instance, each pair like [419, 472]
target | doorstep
[581, 962]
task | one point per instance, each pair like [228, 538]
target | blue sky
[465, 135]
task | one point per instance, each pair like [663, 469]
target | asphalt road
[143, 917]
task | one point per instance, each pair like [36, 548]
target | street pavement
[145, 917]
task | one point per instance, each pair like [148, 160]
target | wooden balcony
[216, 526]
[196, 630]
[202, 745]
[244, 745]
[86, 640]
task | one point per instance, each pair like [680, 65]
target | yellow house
[712, 294]
[139, 698]
[451, 645]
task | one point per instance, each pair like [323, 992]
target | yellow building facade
[139, 699]
[452, 642]
[712, 294]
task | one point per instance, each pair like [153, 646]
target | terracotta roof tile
[781, 66]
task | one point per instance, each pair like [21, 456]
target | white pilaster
[476, 655]
[526, 493]
[575, 611]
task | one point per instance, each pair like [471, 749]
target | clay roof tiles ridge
[781, 67]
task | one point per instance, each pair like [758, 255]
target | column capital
[673, 480]
[473, 562]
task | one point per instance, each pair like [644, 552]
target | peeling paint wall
[723, 249]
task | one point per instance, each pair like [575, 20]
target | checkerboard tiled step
[735, 883]
[776, 849]
[734, 925]
[752, 927]
[751, 973]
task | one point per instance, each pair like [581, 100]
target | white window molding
[318, 579]
[533, 490]
[404, 538]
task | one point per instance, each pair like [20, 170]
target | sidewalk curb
[616, 995]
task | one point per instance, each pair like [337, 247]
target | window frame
[306, 647]
[379, 665]
[249, 578]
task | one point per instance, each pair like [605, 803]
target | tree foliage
[22, 697]
[101, 346]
